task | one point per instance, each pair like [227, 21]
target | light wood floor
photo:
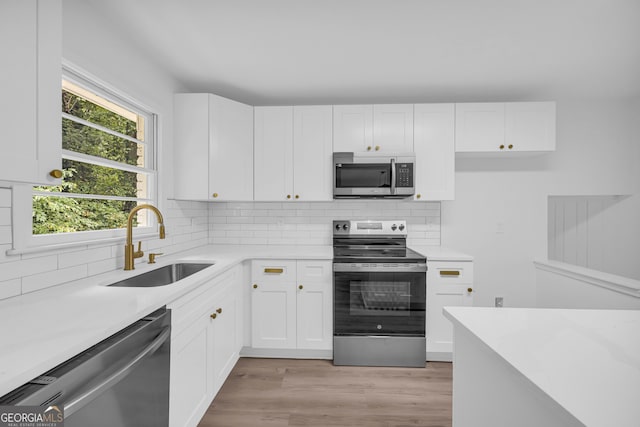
[288, 392]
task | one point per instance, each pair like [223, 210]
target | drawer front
[265, 271]
[445, 272]
[315, 271]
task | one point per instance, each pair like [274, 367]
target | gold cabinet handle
[56, 173]
[219, 311]
[369, 148]
[255, 286]
[418, 196]
[377, 148]
[300, 287]
[502, 146]
[297, 196]
[510, 146]
[213, 316]
[215, 195]
[449, 273]
[274, 270]
[469, 290]
[288, 196]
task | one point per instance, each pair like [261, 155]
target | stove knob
[338, 227]
[345, 227]
[393, 227]
[401, 227]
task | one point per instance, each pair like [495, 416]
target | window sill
[86, 243]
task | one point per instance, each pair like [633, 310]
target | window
[108, 148]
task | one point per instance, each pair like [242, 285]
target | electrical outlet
[499, 301]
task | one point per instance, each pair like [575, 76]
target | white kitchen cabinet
[291, 305]
[384, 127]
[449, 283]
[312, 153]
[352, 128]
[31, 131]
[205, 345]
[293, 153]
[393, 128]
[213, 148]
[512, 127]
[434, 148]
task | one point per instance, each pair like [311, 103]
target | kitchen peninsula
[545, 367]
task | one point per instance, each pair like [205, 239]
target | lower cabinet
[205, 345]
[291, 305]
[449, 283]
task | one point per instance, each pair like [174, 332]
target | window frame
[24, 241]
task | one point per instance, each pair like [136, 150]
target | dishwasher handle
[87, 396]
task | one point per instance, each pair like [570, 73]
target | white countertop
[42, 329]
[441, 253]
[586, 360]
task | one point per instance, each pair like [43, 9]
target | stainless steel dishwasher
[121, 381]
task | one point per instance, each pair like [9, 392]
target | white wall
[500, 211]
[93, 43]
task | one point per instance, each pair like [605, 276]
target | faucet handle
[139, 253]
[152, 257]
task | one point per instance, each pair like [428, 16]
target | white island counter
[545, 367]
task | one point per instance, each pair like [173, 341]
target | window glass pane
[63, 214]
[87, 140]
[85, 178]
[83, 104]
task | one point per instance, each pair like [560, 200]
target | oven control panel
[369, 228]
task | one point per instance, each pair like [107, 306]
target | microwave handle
[393, 176]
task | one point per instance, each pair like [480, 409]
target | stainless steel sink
[162, 276]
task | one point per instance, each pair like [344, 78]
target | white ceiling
[267, 52]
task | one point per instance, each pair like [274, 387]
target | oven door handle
[88, 395]
[393, 176]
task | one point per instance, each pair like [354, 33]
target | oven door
[379, 303]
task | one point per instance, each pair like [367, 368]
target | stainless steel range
[379, 295]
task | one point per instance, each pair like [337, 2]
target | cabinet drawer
[315, 271]
[445, 272]
[265, 271]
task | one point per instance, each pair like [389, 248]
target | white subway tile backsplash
[5, 216]
[5, 198]
[53, 278]
[10, 288]
[71, 259]
[310, 223]
[5, 234]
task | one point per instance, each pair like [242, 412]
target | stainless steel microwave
[380, 175]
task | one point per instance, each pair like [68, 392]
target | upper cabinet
[505, 127]
[213, 148]
[385, 127]
[31, 131]
[292, 153]
[433, 146]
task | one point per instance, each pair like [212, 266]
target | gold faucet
[129, 253]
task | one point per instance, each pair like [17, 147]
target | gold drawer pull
[219, 311]
[213, 316]
[274, 270]
[255, 286]
[449, 273]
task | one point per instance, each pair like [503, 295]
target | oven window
[369, 298]
[379, 303]
[363, 175]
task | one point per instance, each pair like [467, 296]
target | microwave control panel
[404, 174]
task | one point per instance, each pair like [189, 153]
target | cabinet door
[230, 150]
[312, 153]
[191, 387]
[530, 126]
[31, 131]
[480, 127]
[393, 128]
[352, 128]
[273, 315]
[434, 148]
[315, 305]
[191, 148]
[273, 155]
[225, 336]
[448, 284]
